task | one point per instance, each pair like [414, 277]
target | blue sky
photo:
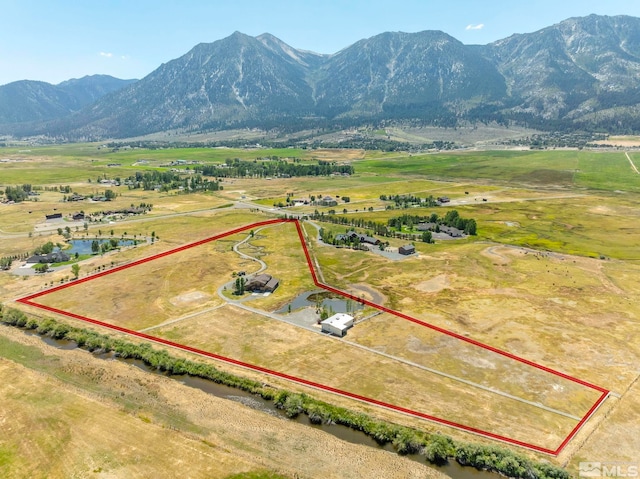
[56, 40]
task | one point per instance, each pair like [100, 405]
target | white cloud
[106, 54]
[479, 26]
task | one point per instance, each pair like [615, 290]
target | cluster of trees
[45, 248]
[106, 195]
[142, 208]
[558, 140]
[22, 192]
[452, 218]
[304, 142]
[355, 243]
[66, 233]
[395, 226]
[436, 448]
[367, 143]
[109, 195]
[406, 201]
[238, 168]
[17, 193]
[376, 227]
[104, 246]
[6, 262]
[60, 188]
[170, 180]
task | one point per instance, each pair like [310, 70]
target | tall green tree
[470, 227]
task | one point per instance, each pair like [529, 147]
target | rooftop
[339, 320]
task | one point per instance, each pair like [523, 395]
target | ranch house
[262, 283]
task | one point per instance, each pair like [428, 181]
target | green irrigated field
[73, 164]
[595, 170]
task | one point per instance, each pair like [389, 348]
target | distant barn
[407, 249]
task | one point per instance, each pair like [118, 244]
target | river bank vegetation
[436, 448]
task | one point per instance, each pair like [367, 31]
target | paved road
[266, 209]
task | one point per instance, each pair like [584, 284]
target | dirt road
[631, 162]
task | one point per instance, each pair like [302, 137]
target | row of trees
[238, 168]
[239, 285]
[21, 192]
[406, 201]
[354, 242]
[170, 180]
[452, 219]
[436, 448]
[365, 142]
[394, 226]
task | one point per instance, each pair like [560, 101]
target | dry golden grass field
[67, 414]
[421, 369]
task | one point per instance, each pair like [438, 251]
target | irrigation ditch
[454, 458]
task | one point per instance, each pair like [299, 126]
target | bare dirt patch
[624, 141]
[433, 285]
[191, 298]
[367, 292]
[601, 210]
[338, 154]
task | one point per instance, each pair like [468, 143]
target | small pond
[83, 246]
[330, 301]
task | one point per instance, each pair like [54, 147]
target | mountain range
[583, 73]
[29, 101]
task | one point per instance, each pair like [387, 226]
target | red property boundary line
[28, 300]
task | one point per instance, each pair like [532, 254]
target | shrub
[407, 442]
[439, 449]
[293, 405]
